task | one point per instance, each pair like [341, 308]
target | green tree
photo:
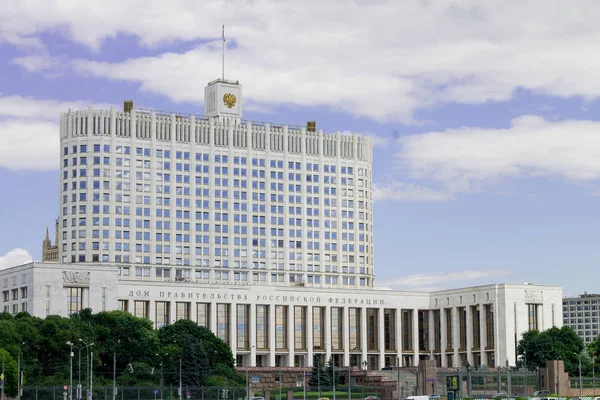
[319, 375]
[10, 373]
[330, 372]
[216, 350]
[132, 339]
[535, 348]
[194, 362]
[593, 350]
[213, 356]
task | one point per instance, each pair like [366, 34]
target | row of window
[13, 294]
[15, 308]
[574, 302]
[13, 280]
[204, 157]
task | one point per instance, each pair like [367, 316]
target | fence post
[139, 393]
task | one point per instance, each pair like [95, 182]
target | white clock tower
[223, 99]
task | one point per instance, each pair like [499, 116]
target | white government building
[261, 232]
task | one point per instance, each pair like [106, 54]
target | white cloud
[441, 280]
[29, 131]
[15, 257]
[395, 190]
[381, 59]
[29, 145]
[44, 109]
[377, 141]
[466, 158]
[23, 42]
[38, 62]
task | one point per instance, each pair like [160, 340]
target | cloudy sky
[485, 114]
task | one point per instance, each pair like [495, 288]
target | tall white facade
[214, 198]
[262, 233]
[290, 326]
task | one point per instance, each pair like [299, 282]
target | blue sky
[484, 116]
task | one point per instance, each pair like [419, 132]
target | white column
[399, 335]
[327, 327]
[171, 312]
[415, 329]
[212, 314]
[233, 328]
[272, 332]
[431, 337]
[153, 124]
[363, 333]
[455, 335]
[482, 333]
[381, 330]
[346, 335]
[252, 335]
[230, 136]
[151, 311]
[469, 335]
[90, 122]
[193, 139]
[444, 336]
[309, 335]
[132, 122]
[291, 331]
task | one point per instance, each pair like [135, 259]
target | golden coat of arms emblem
[229, 100]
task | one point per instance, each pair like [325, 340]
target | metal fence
[206, 393]
[488, 383]
[138, 393]
[585, 382]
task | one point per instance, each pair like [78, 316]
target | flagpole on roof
[223, 63]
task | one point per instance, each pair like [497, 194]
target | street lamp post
[580, 378]
[78, 371]
[2, 388]
[114, 396]
[319, 375]
[349, 382]
[247, 377]
[87, 347]
[19, 375]
[558, 377]
[180, 383]
[399, 383]
[161, 373]
[70, 370]
[91, 377]
[593, 374]
[333, 375]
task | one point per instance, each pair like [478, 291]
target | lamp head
[69, 343]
